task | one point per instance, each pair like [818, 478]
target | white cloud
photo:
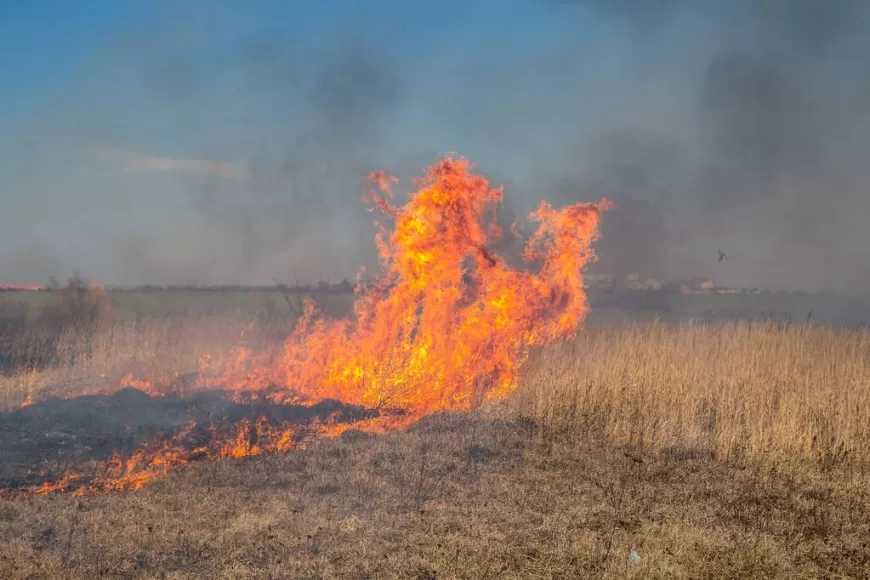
[130, 162]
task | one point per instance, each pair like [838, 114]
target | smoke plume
[218, 143]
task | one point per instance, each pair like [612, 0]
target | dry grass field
[732, 450]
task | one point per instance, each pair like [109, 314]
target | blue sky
[41, 44]
[45, 45]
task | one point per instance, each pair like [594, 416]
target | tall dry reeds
[740, 391]
[143, 347]
[29, 342]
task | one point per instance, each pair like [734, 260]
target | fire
[447, 326]
[156, 459]
[191, 443]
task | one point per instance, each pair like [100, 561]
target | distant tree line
[80, 282]
[343, 287]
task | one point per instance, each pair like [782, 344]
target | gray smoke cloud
[758, 152]
[739, 125]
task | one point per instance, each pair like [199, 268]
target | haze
[226, 142]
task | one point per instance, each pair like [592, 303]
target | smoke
[215, 143]
[760, 154]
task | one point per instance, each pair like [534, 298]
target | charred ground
[44, 441]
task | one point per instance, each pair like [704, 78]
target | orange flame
[245, 439]
[447, 326]
[449, 322]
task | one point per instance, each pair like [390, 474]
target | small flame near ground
[192, 443]
[446, 327]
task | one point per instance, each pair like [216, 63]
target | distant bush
[78, 308]
[13, 324]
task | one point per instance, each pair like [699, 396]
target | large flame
[446, 326]
[449, 322]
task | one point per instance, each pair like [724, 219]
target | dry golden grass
[712, 451]
[148, 347]
[759, 392]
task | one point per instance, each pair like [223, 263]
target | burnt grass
[454, 496]
[47, 439]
